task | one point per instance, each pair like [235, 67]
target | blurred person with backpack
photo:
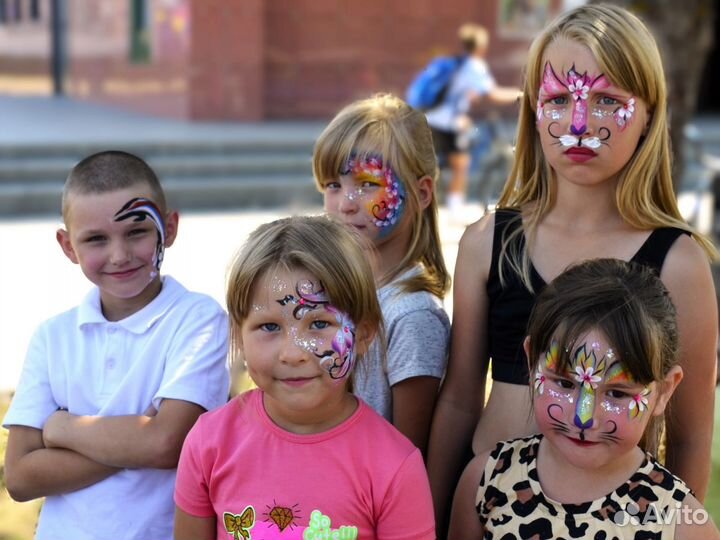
[449, 117]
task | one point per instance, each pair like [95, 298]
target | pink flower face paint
[556, 95]
[378, 190]
[140, 209]
[339, 358]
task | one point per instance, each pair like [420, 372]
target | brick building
[248, 59]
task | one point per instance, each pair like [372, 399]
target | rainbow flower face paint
[368, 195]
[589, 397]
[140, 209]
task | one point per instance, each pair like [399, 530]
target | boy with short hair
[110, 388]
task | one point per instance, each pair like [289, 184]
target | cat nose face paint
[140, 209]
[592, 393]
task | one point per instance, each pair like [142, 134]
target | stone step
[183, 193]
[42, 169]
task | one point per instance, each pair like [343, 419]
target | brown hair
[627, 302]
[111, 170]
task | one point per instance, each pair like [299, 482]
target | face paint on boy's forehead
[140, 209]
[385, 205]
[339, 359]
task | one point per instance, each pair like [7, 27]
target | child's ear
[63, 238]
[171, 227]
[666, 387]
[426, 191]
[364, 336]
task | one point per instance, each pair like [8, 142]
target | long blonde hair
[627, 55]
[386, 125]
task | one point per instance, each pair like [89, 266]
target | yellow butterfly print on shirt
[240, 525]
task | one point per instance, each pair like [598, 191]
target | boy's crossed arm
[33, 471]
[129, 441]
[73, 452]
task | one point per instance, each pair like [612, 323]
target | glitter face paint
[554, 94]
[339, 358]
[378, 190]
[140, 209]
[588, 373]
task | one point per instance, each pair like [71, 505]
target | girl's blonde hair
[322, 247]
[628, 303]
[628, 56]
[387, 126]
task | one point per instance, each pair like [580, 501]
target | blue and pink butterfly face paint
[336, 357]
[581, 95]
[378, 190]
[593, 389]
[141, 209]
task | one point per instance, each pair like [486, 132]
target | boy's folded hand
[54, 428]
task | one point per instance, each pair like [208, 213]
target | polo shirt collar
[90, 312]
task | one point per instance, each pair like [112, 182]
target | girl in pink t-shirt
[300, 457]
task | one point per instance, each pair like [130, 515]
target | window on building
[3, 12]
[17, 11]
[35, 10]
[140, 32]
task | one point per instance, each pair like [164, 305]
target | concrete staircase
[200, 173]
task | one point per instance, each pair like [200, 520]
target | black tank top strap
[653, 252]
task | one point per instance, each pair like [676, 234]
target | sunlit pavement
[37, 281]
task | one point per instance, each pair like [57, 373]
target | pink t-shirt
[361, 479]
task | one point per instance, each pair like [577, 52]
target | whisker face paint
[140, 209]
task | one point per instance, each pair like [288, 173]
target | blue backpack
[429, 87]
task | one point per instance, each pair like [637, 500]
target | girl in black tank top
[592, 179]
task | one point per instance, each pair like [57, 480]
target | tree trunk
[684, 32]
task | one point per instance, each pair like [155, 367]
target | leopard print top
[510, 502]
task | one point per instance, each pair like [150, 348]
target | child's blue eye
[332, 185]
[137, 232]
[270, 327]
[617, 394]
[558, 100]
[95, 238]
[607, 100]
[319, 325]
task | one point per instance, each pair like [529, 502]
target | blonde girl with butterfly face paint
[300, 456]
[602, 348]
[591, 178]
[376, 168]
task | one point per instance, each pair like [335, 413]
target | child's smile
[118, 247]
[300, 350]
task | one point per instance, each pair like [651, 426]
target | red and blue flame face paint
[140, 209]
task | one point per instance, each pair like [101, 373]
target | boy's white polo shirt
[174, 348]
